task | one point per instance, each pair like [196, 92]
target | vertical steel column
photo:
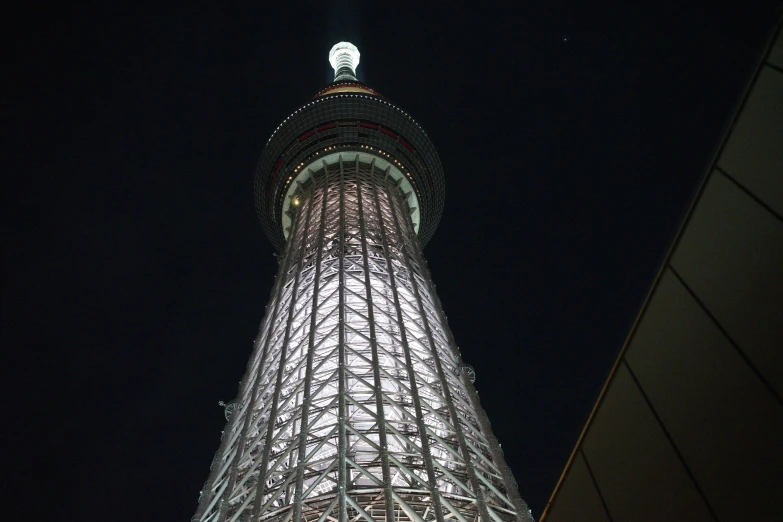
[283, 349]
[381, 416]
[214, 473]
[426, 455]
[268, 327]
[404, 232]
[234, 469]
[342, 515]
[303, 430]
[523, 511]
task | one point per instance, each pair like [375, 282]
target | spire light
[344, 58]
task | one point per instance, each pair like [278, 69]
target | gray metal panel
[579, 498]
[731, 254]
[722, 418]
[635, 467]
[753, 154]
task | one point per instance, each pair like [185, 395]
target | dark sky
[135, 273]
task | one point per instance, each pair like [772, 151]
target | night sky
[135, 273]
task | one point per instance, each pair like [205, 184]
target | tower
[355, 404]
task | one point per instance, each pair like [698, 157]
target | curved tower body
[355, 404]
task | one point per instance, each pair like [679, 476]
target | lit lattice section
[355, 405]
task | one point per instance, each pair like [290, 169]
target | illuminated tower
[355, 404]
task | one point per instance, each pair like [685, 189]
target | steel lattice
[355, 404]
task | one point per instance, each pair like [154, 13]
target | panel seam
[677, 451]
[595, 483]
[747, 191]
[728, 337]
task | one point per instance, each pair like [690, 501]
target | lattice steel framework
[356, 404]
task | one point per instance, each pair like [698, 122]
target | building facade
[355, 404]
[689, 425]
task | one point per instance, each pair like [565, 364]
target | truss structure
[356, 405]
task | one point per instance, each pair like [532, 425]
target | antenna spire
[344, 58]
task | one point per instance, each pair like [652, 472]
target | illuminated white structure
[344, 58]
[355, 404]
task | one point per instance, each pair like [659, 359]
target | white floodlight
[344, 58]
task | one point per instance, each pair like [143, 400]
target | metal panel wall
[690, 422]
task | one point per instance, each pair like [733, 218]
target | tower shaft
[356, 404]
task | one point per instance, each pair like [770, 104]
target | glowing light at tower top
[344, 58]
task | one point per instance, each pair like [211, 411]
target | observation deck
[347, 117]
